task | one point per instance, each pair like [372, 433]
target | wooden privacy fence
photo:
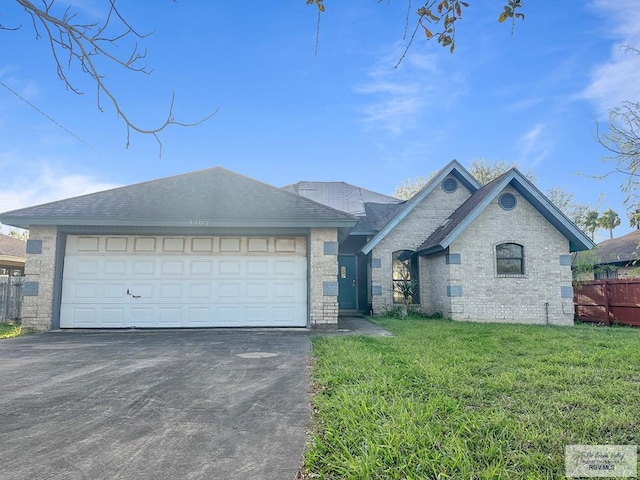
[10, 297]
[608, 301]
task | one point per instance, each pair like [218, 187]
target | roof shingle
[216, 195]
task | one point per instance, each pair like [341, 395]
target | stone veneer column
[323, 277]
[37, 305]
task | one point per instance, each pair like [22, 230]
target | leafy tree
[438, 19]
[634, 219]
[623, 143]
[589, 221]
[609, 220]
[19, 234]
[565, 202]
[485, 171]
[83, 45]
[409, 187]
[482, 170]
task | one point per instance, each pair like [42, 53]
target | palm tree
[634, 219]
[609, 220]
[589, 221]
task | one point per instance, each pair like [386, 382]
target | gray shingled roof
[377, 216]
[621, 250]
[214, 197]
[468, 211]
[460, 215]
[339, 195]
[12, 247]
[452, 168]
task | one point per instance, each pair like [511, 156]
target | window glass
[406, 284]
[606, 273]
[510, 259]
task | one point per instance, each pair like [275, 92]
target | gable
[475, 205]
[523, 225]
[441, 183]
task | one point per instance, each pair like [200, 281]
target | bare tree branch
[623, 142]
[73, 42]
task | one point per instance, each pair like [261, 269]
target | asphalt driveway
[223, 404]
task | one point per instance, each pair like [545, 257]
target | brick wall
[323, 279]
[532, 298]
[408, 235]
[39, 269]
[37, 309]
[434, 274]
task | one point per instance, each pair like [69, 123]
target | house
[215, 248]
[12, 255]
[611, 259]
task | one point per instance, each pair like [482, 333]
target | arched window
[406, 280]
[509, 259]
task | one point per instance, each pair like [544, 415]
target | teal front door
[346, 282]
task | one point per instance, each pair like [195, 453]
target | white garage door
[162, 281]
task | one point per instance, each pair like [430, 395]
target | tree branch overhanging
[623, 142]
[434, 15]
[75, 43]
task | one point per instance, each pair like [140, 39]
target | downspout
[546, 311]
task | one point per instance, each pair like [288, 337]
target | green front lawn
[454, 400]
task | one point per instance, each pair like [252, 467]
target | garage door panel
[141, 317]
[144, 267]
[170, 316]
[199, 317]
[78, 317]
[172, 267]
[201, 267]
[113, 317]
[170, 291]
[115, 267]
[184, 282]
[200, 291]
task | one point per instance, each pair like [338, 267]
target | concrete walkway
[349, 325]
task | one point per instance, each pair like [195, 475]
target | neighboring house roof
[377, 216]
[621, 250]
[453, 168]
[444, 235]
[341, 196]
[214, 197]
[12, 250]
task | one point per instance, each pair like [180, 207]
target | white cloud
[533, 146]
[47, 185]
[617, 80]
[400, 96]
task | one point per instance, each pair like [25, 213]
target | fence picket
[10, 298]
[608, 301]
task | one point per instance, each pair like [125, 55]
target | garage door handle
[134, 296]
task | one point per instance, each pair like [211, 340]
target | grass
[10, 330]
[450, 400]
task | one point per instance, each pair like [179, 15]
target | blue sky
[345, 114]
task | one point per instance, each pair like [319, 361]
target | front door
[346, 282]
